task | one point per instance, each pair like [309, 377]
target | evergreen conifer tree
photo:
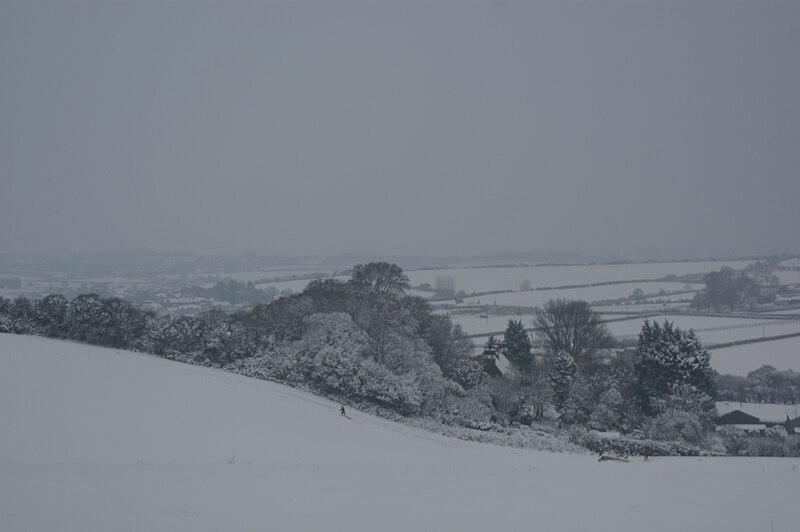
[562, 372]
[666, 357]
[518, 346]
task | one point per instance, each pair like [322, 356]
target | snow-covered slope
[98, 439]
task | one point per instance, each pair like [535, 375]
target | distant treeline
[764, 385]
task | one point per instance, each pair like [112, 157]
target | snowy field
[490, 279]
[537, 298]
[790, 263]
[786, 311]
[788, 276]
[712, 330]
[294, 285]
[474, 324]
[742, 359]
[96, 439]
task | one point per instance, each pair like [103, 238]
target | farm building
[751, 417]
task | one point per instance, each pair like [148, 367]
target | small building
[493, 358]
[737, 417]
[750, 417]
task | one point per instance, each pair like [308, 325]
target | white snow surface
[712, 329]
[537, 298]
[500, 278]
[742, 359]
[95, 439]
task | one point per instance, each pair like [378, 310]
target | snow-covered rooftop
[765, 412]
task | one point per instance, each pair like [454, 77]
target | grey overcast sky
[434, 128]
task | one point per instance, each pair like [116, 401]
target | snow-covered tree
[676, 425]
[411, 357]
[474, 406]
[518, 347]
[88, 319]
[449, 345]
[6, 324]
[334, 356]
[608, 412]
[51, 312]
[468, 372]
[684, 413]
[562, 372]
[572, 327]
[668, 356]
[380, 276]
[579, 401]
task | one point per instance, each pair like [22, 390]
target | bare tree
[381, 276]
[445, 283]
[572, 327]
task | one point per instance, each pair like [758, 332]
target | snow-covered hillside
[99, 439]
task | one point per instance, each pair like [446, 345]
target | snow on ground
[727, 329]
[97, 439]
[537, 298]
[790, 263]
[649, 307]
[297, 285]
[788, 276]
[784, 311]
[424, 294]
[474, 324]
[742, 359]
[490, 279]
[712, 330]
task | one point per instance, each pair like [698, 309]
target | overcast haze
[637, 129]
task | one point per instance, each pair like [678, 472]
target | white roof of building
[765, 412]
[502, 363]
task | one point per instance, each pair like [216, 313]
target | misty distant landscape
[399, 266]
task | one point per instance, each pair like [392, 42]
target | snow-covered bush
[758, 445]
[6, 325]
[333, 356]
[626, 445]
[608, 411]
[411, 358]
[473, 408]
[673, 425]
[579, 403]
[733, 440]
[383, 387]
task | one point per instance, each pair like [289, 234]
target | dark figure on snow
[342, 412]
[646, 452]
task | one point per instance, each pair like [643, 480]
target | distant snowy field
[537, 298]
[713, 330]
[490, 279]
[790, 263]
[499, 278]
[788, 277]
[710, 330]
[742, 359]
[96, 439]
